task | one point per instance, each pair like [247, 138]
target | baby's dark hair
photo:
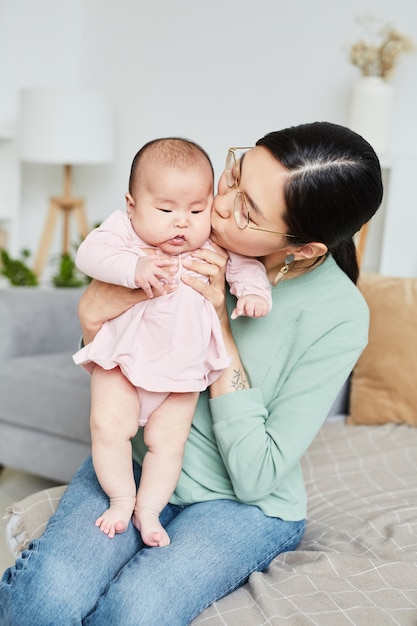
[333, 187]
[171, 152]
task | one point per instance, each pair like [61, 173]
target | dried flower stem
[380, 59]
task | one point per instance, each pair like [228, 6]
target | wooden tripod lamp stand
[67, 127]
[61, 206]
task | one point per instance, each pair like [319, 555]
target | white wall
[222, 72]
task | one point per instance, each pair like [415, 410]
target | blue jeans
[74, 574]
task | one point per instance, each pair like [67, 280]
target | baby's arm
[249, 283]
[110, 254]
[251, 305]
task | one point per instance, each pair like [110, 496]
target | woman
[294, 201]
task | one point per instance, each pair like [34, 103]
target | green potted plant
[17, 271]
[68, 275]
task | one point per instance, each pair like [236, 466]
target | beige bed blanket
[357, 563]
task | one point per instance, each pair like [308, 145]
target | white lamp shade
[65, 126]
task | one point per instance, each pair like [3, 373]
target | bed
[357, 562]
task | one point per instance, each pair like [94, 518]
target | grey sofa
[44, 396]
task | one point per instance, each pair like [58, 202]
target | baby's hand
[154, 272]
[251, 306]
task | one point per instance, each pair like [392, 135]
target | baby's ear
[130, 204]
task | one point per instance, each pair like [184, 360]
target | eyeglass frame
[235, 184]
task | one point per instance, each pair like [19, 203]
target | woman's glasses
[241, 205]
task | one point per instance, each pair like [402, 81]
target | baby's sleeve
[106, 253]
[247, 276]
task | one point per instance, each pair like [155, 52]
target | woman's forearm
[234, 378]
[101, 302]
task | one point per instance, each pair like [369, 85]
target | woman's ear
[130, 204]
[310, 251]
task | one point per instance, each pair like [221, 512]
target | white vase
[370, 111]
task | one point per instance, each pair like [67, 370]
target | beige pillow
[384, 380]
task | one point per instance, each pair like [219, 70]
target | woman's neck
[297, 268]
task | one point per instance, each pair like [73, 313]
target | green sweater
[247, 445]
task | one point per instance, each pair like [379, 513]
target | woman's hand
[212, 265]
[102, 301]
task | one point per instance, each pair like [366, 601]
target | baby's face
[170, 207]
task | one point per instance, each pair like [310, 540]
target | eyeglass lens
[231, 169]
[240, 211]
[240, 207]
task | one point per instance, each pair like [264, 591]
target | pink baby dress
[171, 343]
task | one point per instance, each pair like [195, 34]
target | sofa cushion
[383, 386]
[37, 390]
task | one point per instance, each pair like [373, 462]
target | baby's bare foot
[116, 518]
[152, 532]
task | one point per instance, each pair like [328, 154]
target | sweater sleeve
[106, 253]
[260, 440]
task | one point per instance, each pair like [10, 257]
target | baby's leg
[165, 435]
[114, 420]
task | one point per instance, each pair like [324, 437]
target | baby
[149, 364]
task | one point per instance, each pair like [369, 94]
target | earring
[289, 259]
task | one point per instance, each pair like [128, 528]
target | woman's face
[262, 181]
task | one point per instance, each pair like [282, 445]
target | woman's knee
[30, 595]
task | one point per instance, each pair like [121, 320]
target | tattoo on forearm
[239, 380]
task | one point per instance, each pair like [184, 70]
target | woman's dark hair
[333, 188]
